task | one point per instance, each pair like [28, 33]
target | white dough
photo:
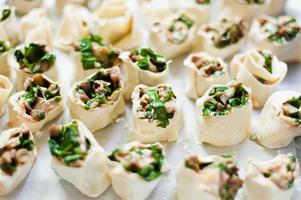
[5, 90]
[135, 76]
[245, 67]
[224, 130]
[60, 4]
[115, 16]
[131, 186]
[24, 6]
[147, 131]
[288, 51]
[273, 130]
[90, 178]
[76, 23]
[275, 7]
[198, 82]
[36, 27]
[101, 116]
[257, 186]
[5, 68]
[9, 183]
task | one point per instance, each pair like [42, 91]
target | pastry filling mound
[157, 104]
[15, 152]
[281, 31]
[100, 89]
[68, 145]
[209, 67]
[178, 29]
[203, 1]
[292, 110]
[4, 46]
[147, 59]
[95, 54]
[282, 173]
[258, 2]
[34, 58]
[146, 160]
[227, 32]
[229, 181]
[39, 98]
[222, 99]
[268, 60]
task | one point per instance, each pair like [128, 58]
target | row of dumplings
[135, 169]
[177, 33]
[100, 90]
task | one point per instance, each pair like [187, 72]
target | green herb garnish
[34, 58]
[4, 46]
[5, 14]
[66, 146]
[87, 48]
[150, 172]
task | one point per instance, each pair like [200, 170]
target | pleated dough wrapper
[9, 28]
[22, 76]
[273, 130]
[131, 186]
[17, 113]
[60, 4]
[147, 131]
[224, 130]
[198, 82]
[9, 183]
[135, 76]
[76, 23]
[257, 186]
[36, 27]
[154, 10]
[101, 116]
[204, 39]
[115, 16]
[275, 7]
[90, 178]
[24, 6]
[241, 9]
[202, 185]
[199, 12]
[5, 90]
[288, 51]
[159, 41]
[245, 67]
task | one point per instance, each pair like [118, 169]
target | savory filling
[95, 54]
[258, 2]
[34, 58]
[268, 59]
[157, 104]
[68, 145]
[282, 173]
[203, 1]
[229, 180]
[222, 99]
[210, 67]
[4, 46]
[5, 13]
[227, 32]
[281, 31]
[147, 59]
[99, 89]
[40, 96]
[178, 30]
[16, 151]
[292, 110]
[146, 160]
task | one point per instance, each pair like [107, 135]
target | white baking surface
[43, 183]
